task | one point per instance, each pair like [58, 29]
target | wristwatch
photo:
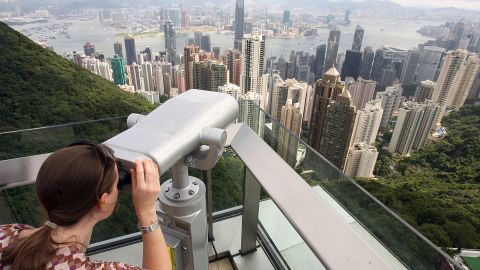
[150, 228]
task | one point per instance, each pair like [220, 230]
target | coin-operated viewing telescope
[186, 131]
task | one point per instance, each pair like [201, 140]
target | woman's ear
[103, 200]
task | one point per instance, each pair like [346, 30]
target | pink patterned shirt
[66, 258]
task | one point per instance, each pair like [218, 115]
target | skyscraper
[272, 82]
[249, 110]
[239, 24]
[135, 77]
[216, 53]
[326, 90]
[302, 72]
[170, 42]
[147, 75]
[231, 58]
[89, 49]
[351, 66]
[286, 16]
[297, 92]
[391, 100]
[197, 38]
[77, 58]
[332, 48]
[141, 57]
[387, 65]
[358, 38]
[253, 47]
[175, 15]
[279, 98]
[117, 47]
[180, 78]
[339, 124]
[362, 91]
[458, 72]
[409, 68]
[231, 89]
[291, 119]
[209, 75]
[218, 75]
[456, 33]
[148, 53]
[367, 62]
[158, 79]
[413, 126]
[118, 67]
[130, 50]
[368, 123]
[474, 94]
[167, 83]
[428, 63]
[361, 160]
[184, 19]
[424, 91]
[105, 71]
[346, 19]
[189, 57]
[205, 43]
[320, 61]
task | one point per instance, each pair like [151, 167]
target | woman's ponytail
[32, 252]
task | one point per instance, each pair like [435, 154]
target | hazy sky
[467, 4]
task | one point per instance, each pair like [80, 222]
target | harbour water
[378, 31]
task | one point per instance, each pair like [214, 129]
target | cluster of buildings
[343, 98]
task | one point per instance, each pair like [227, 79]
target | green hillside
[39, 87]
[437, 189]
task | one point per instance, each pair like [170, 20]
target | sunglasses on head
[124, 177]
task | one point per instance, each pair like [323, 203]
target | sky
[466, 4]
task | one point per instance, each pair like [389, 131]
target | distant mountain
[39, 87]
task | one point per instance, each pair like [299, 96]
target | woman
[77, 187]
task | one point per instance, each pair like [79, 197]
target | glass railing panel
[227, 181]
[21, 143]
[19, 204]
[371, 219]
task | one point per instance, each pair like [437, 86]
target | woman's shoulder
[12, 228]
[73, 258]
[9, 233]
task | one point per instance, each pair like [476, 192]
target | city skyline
[424, 4]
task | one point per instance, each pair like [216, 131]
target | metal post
[180, 175]
[207, 177]
[251, 203]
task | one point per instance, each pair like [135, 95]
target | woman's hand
[145, 190]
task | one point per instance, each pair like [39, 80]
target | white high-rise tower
[253, 48]
[456, 78]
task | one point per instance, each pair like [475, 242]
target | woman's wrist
[147, 217]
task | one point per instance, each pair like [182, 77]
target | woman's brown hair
[68, 186]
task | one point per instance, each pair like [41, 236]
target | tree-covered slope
[437, 189]
[39, 87]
